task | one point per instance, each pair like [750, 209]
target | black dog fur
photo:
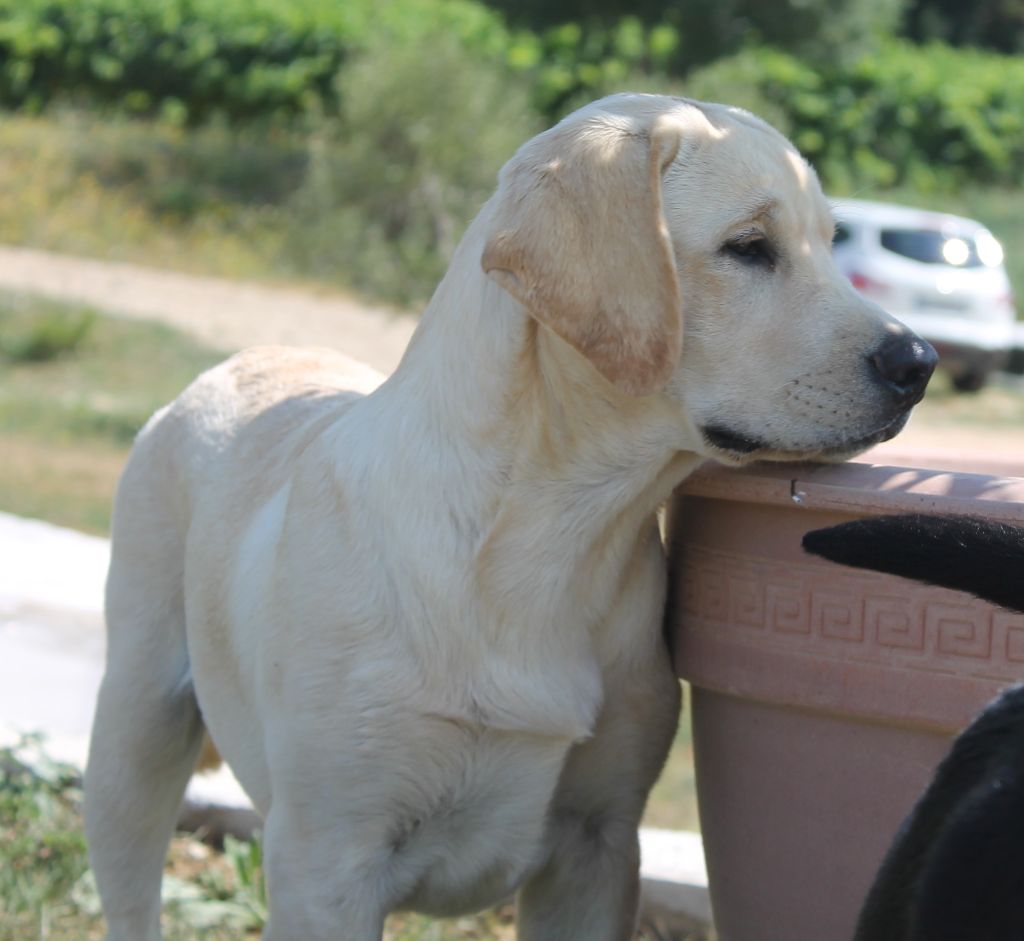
[955, 869]
[974, 555]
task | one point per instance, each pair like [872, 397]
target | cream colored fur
[423, 625]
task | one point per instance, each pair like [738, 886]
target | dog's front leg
[321, 886]
[588, 889]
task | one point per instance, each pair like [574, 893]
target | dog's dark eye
[751, 251]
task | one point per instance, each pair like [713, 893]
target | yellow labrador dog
[423, 625]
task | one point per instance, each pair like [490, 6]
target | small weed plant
[50, 332]
[42, 849]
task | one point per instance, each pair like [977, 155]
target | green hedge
[928, 117]
[260, 59]
[189, 59]
[569, 64]
[931, 117]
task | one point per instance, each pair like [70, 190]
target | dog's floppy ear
[578, 237]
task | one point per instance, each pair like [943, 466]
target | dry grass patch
[75, 388]
[70, 484]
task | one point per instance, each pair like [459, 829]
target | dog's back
[283, 389]
[258, 402]
[276, 396]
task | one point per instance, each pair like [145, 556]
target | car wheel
[970, 381]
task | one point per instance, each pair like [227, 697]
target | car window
[842, 234]
[933, 247]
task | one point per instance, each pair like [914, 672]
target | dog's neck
[561, 465]
[543, 482]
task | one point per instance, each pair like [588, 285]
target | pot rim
[864, 488]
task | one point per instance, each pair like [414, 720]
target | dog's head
[684, 250]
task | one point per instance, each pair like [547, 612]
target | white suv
[942, 275]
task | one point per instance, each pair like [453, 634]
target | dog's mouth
[735, 442]
[739, 447]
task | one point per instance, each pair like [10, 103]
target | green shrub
[393, 181]
[819, 31]
[353, 141]
[706, 30]
[50, 333]
[762, 81]
[929, 117]
[189, 59]
[576, 62]
[42, 850]
[992, 24]
[181, 173]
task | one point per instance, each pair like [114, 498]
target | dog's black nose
[905, 363]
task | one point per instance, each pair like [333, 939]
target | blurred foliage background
[352, 141]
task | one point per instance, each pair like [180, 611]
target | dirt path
[228, 315]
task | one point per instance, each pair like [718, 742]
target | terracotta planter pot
[823, 697]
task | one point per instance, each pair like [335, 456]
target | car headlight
[989, 250]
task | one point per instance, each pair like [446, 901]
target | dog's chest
[483, 828]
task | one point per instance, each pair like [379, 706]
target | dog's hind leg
[147, 730]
